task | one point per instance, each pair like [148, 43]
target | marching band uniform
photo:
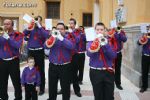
[81, 57]
[36, 38]
[145, 42]
[117, 41]
[60, 65]
[10, 45]
[30, 80]
[75, 61]
[101, 70]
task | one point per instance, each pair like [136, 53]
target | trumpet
[98, 42]
[102, 39]
[55, 33]
[144, 39]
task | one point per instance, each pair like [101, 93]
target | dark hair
[82, 27]
[37, 17]
[72, 19]
[61, 24]
[66, 27]
[30, 58]
[53, 27]
[12, 22]
[99, 24]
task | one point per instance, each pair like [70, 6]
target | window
[87, 19]
[53, 10]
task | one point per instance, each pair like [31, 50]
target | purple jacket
[146, 48]
[77, 35]
[37, 37]
[61, 51]
[31, 76]
[120, 38]
[96, 58]
[82, 43]
[10, 48]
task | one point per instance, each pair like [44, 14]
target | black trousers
[11, 68]
[39, 61]
[145, 70]
[30, 92]
[75, 78]
[63, 73]
[81, 61]
[103, 84]
[118, 69]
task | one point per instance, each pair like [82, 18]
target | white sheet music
[48, 24]
[90, 34]
[27, 18]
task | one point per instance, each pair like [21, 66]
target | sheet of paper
[27, 18]
[144, 28]
[90, 34]
[48, 24]
[113, 23]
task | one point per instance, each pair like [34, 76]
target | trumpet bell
[55, 33]
[103, 41]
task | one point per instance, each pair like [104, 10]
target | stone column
[132, 52]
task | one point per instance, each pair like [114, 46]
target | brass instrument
[55, 33]
[103, 41]
[98, 42]
[118, 29]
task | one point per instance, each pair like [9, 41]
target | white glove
[60, 37]
[38, 24]
[99, 35]
[6, 36]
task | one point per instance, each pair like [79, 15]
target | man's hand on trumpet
[6, 36]
[60, 37]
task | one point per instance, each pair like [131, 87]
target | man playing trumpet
[10, 44]
[61, 46]
[101, 65]
[36, 35]
[145, 42]
[117, 38]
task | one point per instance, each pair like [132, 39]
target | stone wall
[131, 60]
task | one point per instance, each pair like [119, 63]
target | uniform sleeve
[68, 43]
[16, 42]
[23, 81]
[108, 51]
[77, 36]
[38, 79]
[83, 37]
[121, 36]
[1, 38]
[45, 33]
[89, 54]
